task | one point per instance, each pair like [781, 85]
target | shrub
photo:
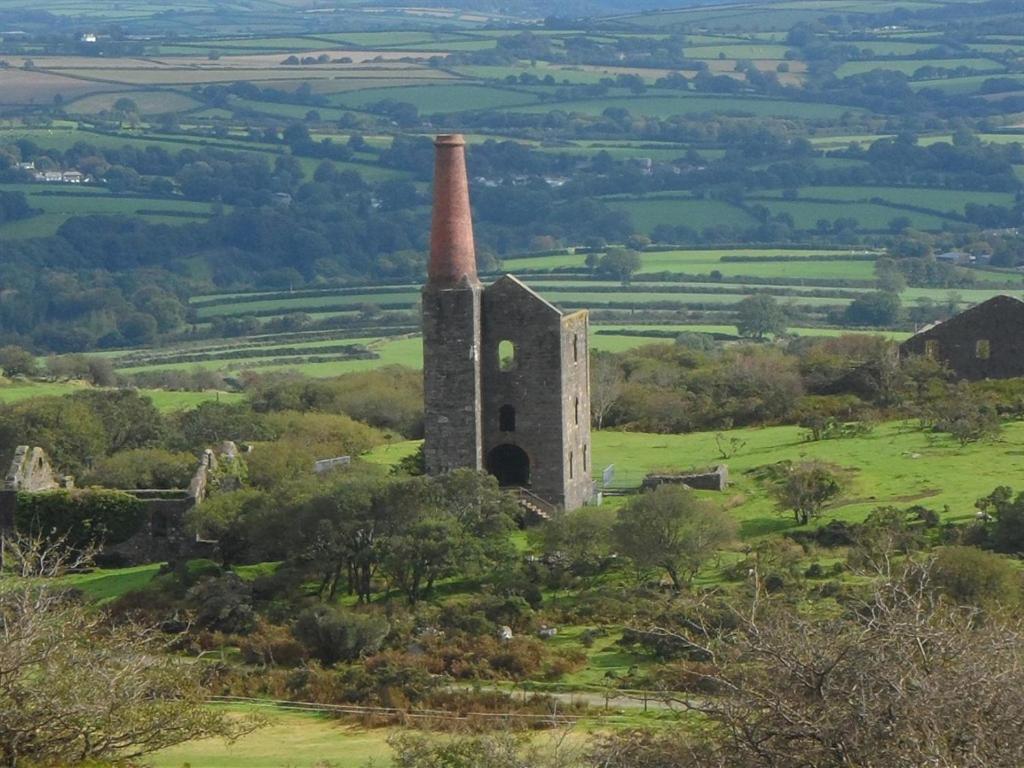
[973, 576]
[271, 644]
[334, 634]
[143, 468]
[84, 516]
[223, 604]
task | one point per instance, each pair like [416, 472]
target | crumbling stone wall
[713, 480]
[162, 534]
[30, 471]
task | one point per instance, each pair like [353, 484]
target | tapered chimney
[452, 254]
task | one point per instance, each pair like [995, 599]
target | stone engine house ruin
[983, 342]
[506, 373]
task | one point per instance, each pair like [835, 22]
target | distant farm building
[983, 342]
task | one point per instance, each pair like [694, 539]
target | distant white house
[61, 177]
[89, 37]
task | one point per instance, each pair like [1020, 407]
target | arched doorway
[510, 464]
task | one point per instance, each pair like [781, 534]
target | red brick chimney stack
[452, 254]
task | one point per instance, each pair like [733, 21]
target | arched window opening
[982, 349]
[510, 465]
[506, 355]
[507, 418]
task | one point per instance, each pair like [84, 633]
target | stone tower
[506, 373]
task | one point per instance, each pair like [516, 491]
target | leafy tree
[129, 419]
[580, 542]
[890, 278]
[898, 679]
[65, 427]
[606, 384]
[143, 468]
[17, 361]
[76, 690]
[619, 263]
[1007, 510]
[966, 415]
[493, 750]
[760, 315]
[805, 488]
[247, 524]
[669, 528]
[877, 308]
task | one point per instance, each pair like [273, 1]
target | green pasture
[649, 213]
[164, 400]
[72, 203]
[942, 200]
[405, 297]
[148, 102]
[910, 66]
[806, 214]
[431, 99]
[704, 261]
[966, 296]
[597, 338]
[76, 201]
[288, 740]
[962, 85]
[896, 47]
[896, 464]
[728, 50]
[397, 351]
[675, 103]
[101, 585]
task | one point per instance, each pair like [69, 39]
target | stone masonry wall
[451, 377]
[984, 342]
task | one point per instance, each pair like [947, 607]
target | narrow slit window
[507, 418]
[506, 355]
[576, 348]
[585, 467]
[576, 410]
[570, 464]
[982, 349]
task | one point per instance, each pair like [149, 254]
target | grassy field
[941, 200]
[165, 400]
[806, 214]
[896, 464]
[910, 66]
[704, 261]
[648, 214]
[100, 586]
[289, 740]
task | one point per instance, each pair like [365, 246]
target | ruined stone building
[506, 373]
[983, 342]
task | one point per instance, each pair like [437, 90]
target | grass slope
[896, 464]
